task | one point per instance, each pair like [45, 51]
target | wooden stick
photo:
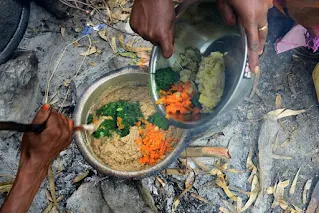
[206, 151]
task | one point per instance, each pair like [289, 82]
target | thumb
[42, 114]
[167, 45]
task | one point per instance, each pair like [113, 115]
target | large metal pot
[200, 25]
[93, 93]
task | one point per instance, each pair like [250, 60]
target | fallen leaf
[283, 204]
[236, 171]
[270, 190]
[254, 193]
[230, 206]
[315, 77]
[294, 183]
[221, 182]
[66, 82]
[109, 13]
[103, 34]
[128, 54]
[297, 209]
[201, 165]
[76, 44]
[113, 44]
[48, 208]
[200, 198]
[234, 188]
[305, 191]
[282, 113]
[278, 101]
[5, 187]
[99, 51]
[93, 64]
[120, 15]
[190, 179]
[131, 48]
[239, 204]
[80, 177]
[175, 205]
[279, 157]
[77, 30]
[63, 32]
[90, 51]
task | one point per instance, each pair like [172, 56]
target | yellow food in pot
[211, 80]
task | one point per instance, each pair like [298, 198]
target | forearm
[25, 187]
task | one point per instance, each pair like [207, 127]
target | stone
[123, 196]
[88, 198]
[19, 88]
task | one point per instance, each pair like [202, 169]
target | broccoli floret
[90, 119]
[164, 78]
[129, 113]
[159, 121]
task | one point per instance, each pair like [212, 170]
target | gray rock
[19, 88]
[123, 196]
[88, 198]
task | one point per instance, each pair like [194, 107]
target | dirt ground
[287, 74]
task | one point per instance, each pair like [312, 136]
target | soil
[122, 153]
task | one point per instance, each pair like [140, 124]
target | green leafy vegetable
[159, 121]
[195, 101]
[105, 129]
[128, 113]
[90, 119]
[164, 78]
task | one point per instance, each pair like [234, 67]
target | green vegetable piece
[164, 78]
[195, 101]
[90, 119]
[127, 111]
[159, 121]
[105, 129]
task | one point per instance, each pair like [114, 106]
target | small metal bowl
[199, 25]
[91, 95]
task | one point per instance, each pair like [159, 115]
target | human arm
[37, 152]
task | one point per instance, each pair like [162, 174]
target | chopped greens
[164, 78]
[90, 119]
[159, 121]
[124, 114]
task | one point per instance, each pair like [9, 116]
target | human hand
[252, 15]
[154, 21]
[42, 148]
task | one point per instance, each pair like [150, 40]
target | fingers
[42, 114]
[262, 34]
[253, 46]
[227, 12]
[167, 43]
